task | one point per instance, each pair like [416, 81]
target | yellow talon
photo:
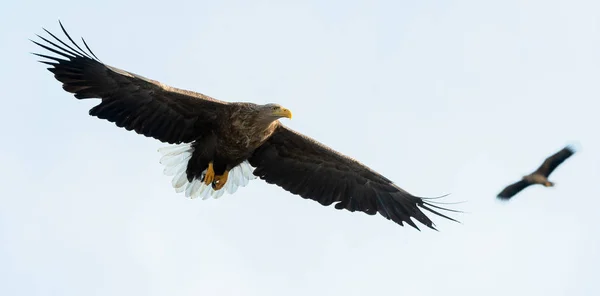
[220, 181]
[210, 174]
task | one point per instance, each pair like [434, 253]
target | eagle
[540, 176]
[217, 146]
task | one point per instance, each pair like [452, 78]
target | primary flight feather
[219, 146]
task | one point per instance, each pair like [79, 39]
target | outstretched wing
[513, 189]
[131, 101]
[308, 168]
[552, 162]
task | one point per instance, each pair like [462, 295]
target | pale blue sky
[460, 97]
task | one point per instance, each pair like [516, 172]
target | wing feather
[131, 101]
[512, 189]
[552, 162]
[313, 171]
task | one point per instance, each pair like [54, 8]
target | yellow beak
[283, 112]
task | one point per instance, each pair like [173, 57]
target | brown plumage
[540, 176]
[220, 146]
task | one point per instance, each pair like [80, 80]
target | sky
[459, 97]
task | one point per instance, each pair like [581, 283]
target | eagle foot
[209, 177]
[220, 181]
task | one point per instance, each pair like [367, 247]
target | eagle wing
[129, 100]
[308, 168]
[513, 189]
[552, 162]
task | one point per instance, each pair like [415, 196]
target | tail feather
[175, 159]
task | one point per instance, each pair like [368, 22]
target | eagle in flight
[540, 176]
[218, 146]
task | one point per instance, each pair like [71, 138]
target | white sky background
[460, 97]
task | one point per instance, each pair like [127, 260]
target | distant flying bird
[540, 176]
[219, 146]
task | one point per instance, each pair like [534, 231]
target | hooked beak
[283, 112]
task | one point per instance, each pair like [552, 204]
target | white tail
[175, 159]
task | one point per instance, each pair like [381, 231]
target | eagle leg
[220, 181]
[209, 177]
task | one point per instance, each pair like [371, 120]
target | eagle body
[539, 176]
[246, 130]
[536, 178]
[217, 146]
